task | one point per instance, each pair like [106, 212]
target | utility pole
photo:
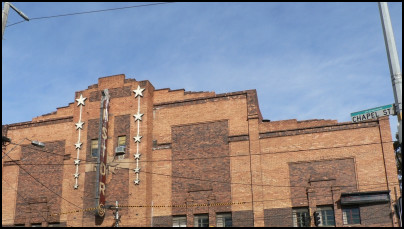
[116, 215]
[5, 16]
[394, 65]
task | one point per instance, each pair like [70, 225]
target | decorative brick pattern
[92, 134]
[113, 92]
[162, 221]
[278, 217]
[321, 175]
[89, 195]
[376, 215]
[320, 129]
[31, 205]
[122, 128]
[201, 140]
[243, 219]
[118, 190]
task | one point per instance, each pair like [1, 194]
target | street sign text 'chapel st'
[373, 113]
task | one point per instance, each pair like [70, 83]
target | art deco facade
[176, 158]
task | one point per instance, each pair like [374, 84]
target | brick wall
[278, 217]
[321, 175]
[199, 160]
[373, 215]
[44, 167]
[243, 218]
[117, 186]
[122, 128]
[253, 161]
[162, 221]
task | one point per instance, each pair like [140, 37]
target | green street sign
[373, 113]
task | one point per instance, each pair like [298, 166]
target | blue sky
[306, 60]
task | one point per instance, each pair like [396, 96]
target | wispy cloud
[306, 60]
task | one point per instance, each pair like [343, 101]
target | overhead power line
[201, 179]
[93, 11]
[222, 156]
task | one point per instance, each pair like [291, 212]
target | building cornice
[319, 129]
[29, 124]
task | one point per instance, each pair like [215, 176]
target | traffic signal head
[317, 218]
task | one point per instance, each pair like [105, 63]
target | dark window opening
[351, 215]
[94, 148]
[201, 220]
[120, 150]
[224, 220]
[326, 216]
[301, 217]
[179, 221]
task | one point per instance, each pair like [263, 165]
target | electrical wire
[268, 219]
[237, 183]
[231, 156]
[288, 215]
[93, 11]
[220, 204]
[268, 185]
[45, 151]
[268, 200]
[199, 179]
[382, 184]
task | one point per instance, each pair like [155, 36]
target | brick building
[198, 158]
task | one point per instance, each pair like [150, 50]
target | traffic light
[317, 218]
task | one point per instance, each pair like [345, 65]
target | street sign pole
[394, 65]
[4, 16]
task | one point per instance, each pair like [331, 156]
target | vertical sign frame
[102, 155]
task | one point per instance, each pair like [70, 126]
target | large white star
[138, 116]
[137, 181]
[77, 161]
[78, 145]
[79, 125]
[137, 138]
[138, 91]
[137, 170]
[76, 175]
[81, 100]
[137, 156]
[76, 186]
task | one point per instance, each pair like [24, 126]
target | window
[223, 220]
[94, 148]
[122, 143]
[301, 217]
[179, 221]
[326, 216]
[36, 225]
[351, 215]
[54, 225]
[201, 220]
